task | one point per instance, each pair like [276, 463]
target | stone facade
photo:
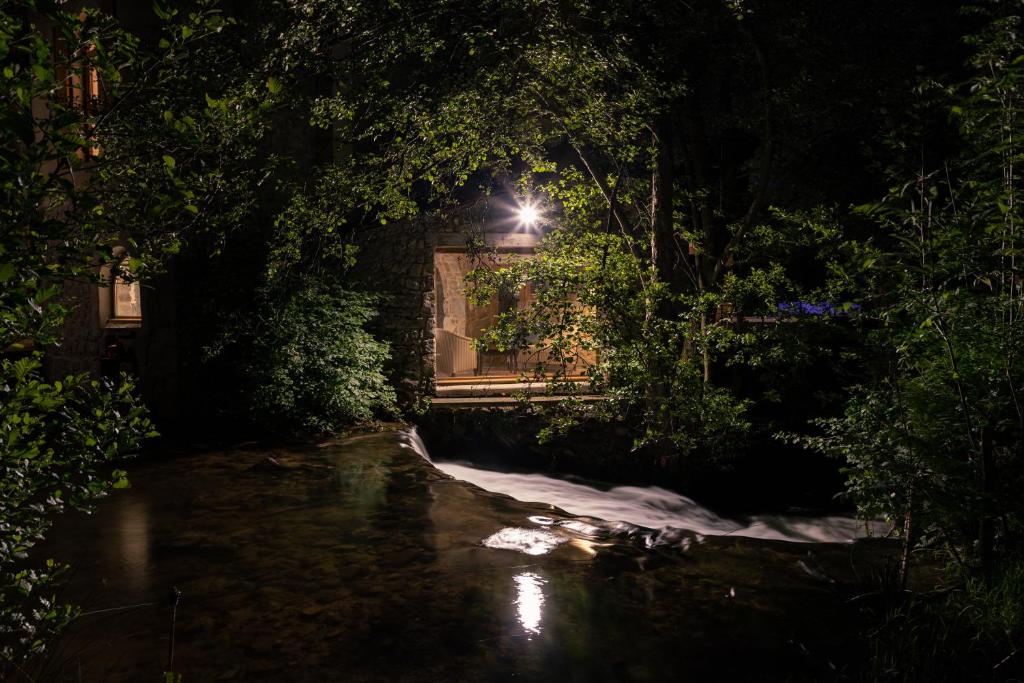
[82, 335]
[96, 344]
[398, 261]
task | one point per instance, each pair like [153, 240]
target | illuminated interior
[458, 324]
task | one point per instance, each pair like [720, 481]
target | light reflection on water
[133, 543]
[529, 601]
[529, 541]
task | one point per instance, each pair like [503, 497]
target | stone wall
[397, 261]
[148, 348]
[82, 335]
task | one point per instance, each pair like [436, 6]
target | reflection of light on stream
[529, 601]
[529, 541]
[133, 543]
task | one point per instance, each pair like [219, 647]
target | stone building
[420, 267]
[119, 324]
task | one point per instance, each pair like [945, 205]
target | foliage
[307, 363]
[170, 155]
[299, 357]
[971, 633]
[264, 251]
[57, 439]
[48, 234]
[933, 441]
[58, 223]
[590, 313]
[310, 235]
[78, 180]
[660, 136]
[182, 161]
[592, 307]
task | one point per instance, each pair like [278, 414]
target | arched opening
[120, 316]
[126, 295]
[120, 299]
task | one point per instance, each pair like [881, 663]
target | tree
[933, 440]
[59, 219]
[668, 128]
[56, 436]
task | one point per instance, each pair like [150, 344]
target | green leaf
[169, 161]
[162, 11]
[274, 85]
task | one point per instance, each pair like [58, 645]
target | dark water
[360, 561]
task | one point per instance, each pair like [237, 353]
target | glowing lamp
[529, 216]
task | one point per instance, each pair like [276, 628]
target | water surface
[361, 561]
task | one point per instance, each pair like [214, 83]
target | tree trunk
[908, 538]
[986, 529]
[663, 263]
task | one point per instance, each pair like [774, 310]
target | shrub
[972, 633]
[55, 439]
[307, 361]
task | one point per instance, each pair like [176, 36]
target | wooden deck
[501, 401]
[499, 390]
[505, 378]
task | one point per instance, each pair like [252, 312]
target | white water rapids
[650, 507]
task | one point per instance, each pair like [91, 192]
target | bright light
[529, 601]
[528, 215]
[529, 541]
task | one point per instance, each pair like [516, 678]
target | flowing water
[362, 561]
[652, 507]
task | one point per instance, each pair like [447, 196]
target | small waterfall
[652, 514]
[410, 438]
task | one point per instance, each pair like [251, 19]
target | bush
[308, 365]
[55, 439]
[973, 633]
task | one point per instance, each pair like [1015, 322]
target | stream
[361, 560]
[659, 510]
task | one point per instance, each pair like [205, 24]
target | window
[82, 86]
[127, 301]
[120, 301]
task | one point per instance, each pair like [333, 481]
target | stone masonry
[397, 260]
